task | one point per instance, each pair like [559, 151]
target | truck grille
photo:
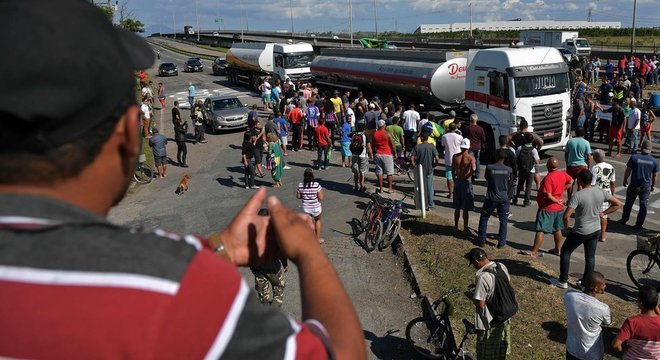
[546, 120]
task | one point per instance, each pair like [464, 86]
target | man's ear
[128, 130]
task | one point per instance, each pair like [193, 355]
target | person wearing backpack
[495, 303]
[359, 147]
[526, 158]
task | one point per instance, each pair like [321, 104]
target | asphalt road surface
[374, 281]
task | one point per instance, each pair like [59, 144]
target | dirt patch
[436, 252]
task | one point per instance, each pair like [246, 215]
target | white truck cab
[506, 85]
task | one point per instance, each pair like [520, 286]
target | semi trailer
[502, 86]
[250, 63]
[558, 39]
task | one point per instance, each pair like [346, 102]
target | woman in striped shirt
[311, 194]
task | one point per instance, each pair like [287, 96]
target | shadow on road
[389, 347]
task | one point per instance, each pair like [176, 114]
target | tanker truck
[502, 86]
[248, 63]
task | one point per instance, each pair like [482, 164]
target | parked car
[220, 66]
[167, 69]
[224, 112]
[193, 64]
[215, 33]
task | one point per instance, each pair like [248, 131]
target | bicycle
[431, 335]
[371, 223]
[403, 165]
[143, 173]
[391, 222]
[643, 264]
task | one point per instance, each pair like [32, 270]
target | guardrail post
[420, 190]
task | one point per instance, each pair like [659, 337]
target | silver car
[224, 112]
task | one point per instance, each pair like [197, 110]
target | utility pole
[350, 20]
[241, 10]
[470, 20]
[375, 19]
[291, 8]
[173, 21]
[197, 16]
[632, 39]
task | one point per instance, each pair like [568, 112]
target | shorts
[463, 195]
[606, 205]
[549, 222]
[265, 98]
[315, 212]
[258, 155]
[646, 129]
[346, 149]
[162, 160]
[384, 164]
[449, 173]
[573, 171]
[284, 141]
[616, 134]
[360, 165]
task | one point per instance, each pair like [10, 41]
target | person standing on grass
[247, 157]
[604, 177]
[310, 193]
[585, 315]
[451, 142]
[551, 203]
[498, 177]
[641, 333]
[493, 335]
[384, 149]
[642, 171]
[427, 156]
[587, 205]
[463, 166]
[157, 143]
[345, 141]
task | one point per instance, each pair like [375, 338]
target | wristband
[221, 251]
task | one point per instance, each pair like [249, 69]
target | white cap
[610, 94]
[381, 123]
[633, 100]
[465, 144]
[372, 106]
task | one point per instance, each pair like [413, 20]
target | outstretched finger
[253, 205]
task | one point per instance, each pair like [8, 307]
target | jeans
[476, 153]
[191, 101]
[573, 241]
[580, 121]
[411, 139]
[525, 181]
[249, 174]
[429, 190]
[199, 133]
[631, 195]
[590, 127]
[297, 136]
[322, 155]
[311, 136]
[181, 152]
[634, 140]
[502, 214]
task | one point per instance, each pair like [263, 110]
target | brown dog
[183, 184]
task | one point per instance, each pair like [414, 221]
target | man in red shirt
[322, 144]
[296, 118]
[551, 207]
[384, 149]
[641, 332]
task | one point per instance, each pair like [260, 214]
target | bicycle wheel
[423, 341]
[392, 227]
[143, 174]
[367, 215]
[411, 174]
[373, 235]
[643, 268]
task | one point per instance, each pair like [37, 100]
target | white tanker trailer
[248, 63]
[502, 86]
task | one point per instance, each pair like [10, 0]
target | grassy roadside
[539, 328]
[213, 48]
[187, 53]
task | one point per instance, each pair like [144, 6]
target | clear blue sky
[402, 15]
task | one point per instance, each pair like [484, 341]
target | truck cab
[506, 85]
[578, 46]
[292, 61]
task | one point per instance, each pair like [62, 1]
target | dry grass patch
[539, 329]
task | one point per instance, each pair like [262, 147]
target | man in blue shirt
[643, 168]
[346, 154]
[577, 155]
[191, 95]
[498, 176]
[157, 143]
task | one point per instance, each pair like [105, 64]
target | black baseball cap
[475, 254]
[65, 69]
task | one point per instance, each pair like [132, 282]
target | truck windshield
[293, 61]
[540, 85]
[581, 43]
[224, 104]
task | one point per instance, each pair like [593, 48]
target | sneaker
[247, 187]
[255, 187]
[203, 141]
[557, 283]
[286, 167]
[579, 285]
[501, 246]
